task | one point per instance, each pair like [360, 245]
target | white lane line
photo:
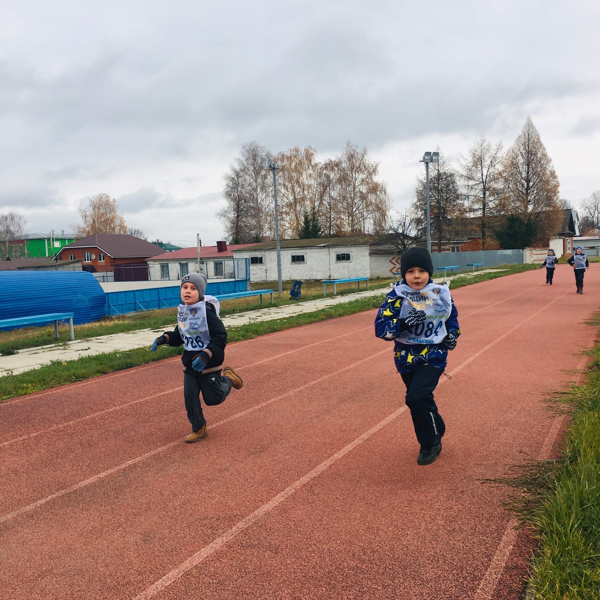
[104, 474]
[219, 542]
[172, 390]
[496, 569]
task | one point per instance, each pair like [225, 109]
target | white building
[321, 258]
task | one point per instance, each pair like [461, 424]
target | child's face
[578, 251]
[189, 293]
[416, 278]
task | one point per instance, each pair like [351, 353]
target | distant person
[550, 263]
[420, 317]
[204, 337]
[580, 263]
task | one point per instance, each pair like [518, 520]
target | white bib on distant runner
[550, 261]
[193, 326]
[579, 260]
[436, 302]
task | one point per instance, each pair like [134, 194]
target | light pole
[429, 157]
[274, 168]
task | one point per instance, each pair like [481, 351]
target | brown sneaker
[237, 380]
[197, 435]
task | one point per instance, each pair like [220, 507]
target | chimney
[221, 246]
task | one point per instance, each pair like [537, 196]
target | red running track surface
[307, 485]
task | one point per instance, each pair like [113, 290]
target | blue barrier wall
[30, 293]
[120, 303]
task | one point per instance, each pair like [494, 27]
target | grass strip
[567, 518]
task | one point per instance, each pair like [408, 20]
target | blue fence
[120, 303]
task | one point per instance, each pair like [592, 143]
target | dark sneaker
[428, 455]
[235, 378]
[196, 435]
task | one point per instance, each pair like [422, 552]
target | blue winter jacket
[389, 325]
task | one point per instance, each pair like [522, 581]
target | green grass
[59, 373]
[560, 500]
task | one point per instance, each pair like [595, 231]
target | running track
[307, 486]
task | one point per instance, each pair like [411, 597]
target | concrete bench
[334, 282]
[448, 268]
[475, 265]
[20, 322]
[235, 295]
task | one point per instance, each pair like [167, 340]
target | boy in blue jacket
[420, 317]
[580, 264]
[204, 337]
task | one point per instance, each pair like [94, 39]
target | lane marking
[172, 390]
[266, 508]
[129, 463]
[496, 569]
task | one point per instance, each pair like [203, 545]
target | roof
[117, 245]
[18, 264]
[205, 252]
[358, 240]
[47, 236]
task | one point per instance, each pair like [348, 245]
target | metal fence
[385, 265]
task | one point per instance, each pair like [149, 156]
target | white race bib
[193, 326]
[436, 302]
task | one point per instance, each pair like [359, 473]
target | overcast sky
[151, 101]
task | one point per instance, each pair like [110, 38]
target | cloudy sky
[151, 101]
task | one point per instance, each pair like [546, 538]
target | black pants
[427, 421]
[579, 273]
[549, 274]
[214, 389]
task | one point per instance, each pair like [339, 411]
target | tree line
[511, 197]
[336, 197]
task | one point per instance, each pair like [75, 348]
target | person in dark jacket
[420, 317]
[550, 263]
[204, 337]
[580, 263]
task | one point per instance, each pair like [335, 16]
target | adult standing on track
[420, 316]
[580, 263]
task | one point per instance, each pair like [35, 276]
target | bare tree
[530, 182]
[481, 175]
[100, 216]
[297, 188]
[363, 201]
[591, 211]
[12, 229]
[138, 233]
[248, 216]
[446, 204]
[404, 231]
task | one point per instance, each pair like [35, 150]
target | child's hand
[414, 317]
[159, 341]
[451, 340]
[200, 362]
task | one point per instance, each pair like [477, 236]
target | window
[164, 270]
[87, 257]
[71, 257]
[298, 258]
[183, 269]
[256, 260]
[219, 268]
[343, 257]
[454, 248]
[101, 257]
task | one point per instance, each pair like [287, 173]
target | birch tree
[12, 228]
[100, 216]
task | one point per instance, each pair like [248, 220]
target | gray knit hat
[196, 279]
[416, 257]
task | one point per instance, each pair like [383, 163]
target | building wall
[43, 247]
[208, 267]
[319, 263]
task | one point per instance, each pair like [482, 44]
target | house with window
[111, 256]
[320, 258]
[216, 262]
